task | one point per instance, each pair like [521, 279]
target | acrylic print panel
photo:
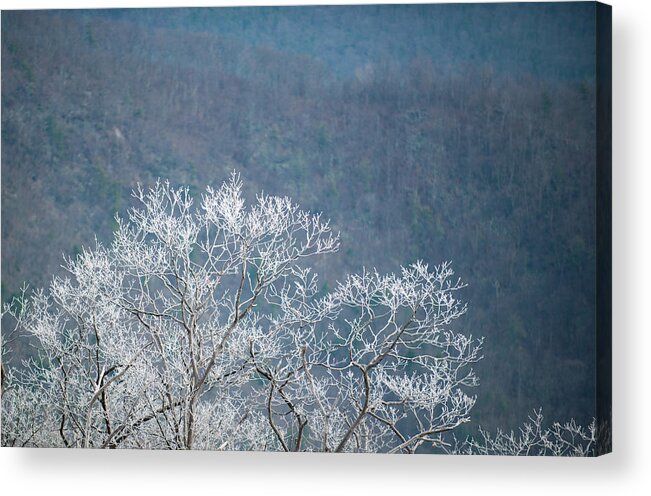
[376, 229]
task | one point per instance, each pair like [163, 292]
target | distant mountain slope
[550, 41]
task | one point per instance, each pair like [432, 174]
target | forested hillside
[434, 133]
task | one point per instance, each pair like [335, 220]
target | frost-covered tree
[534, 439]
[202, 326]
